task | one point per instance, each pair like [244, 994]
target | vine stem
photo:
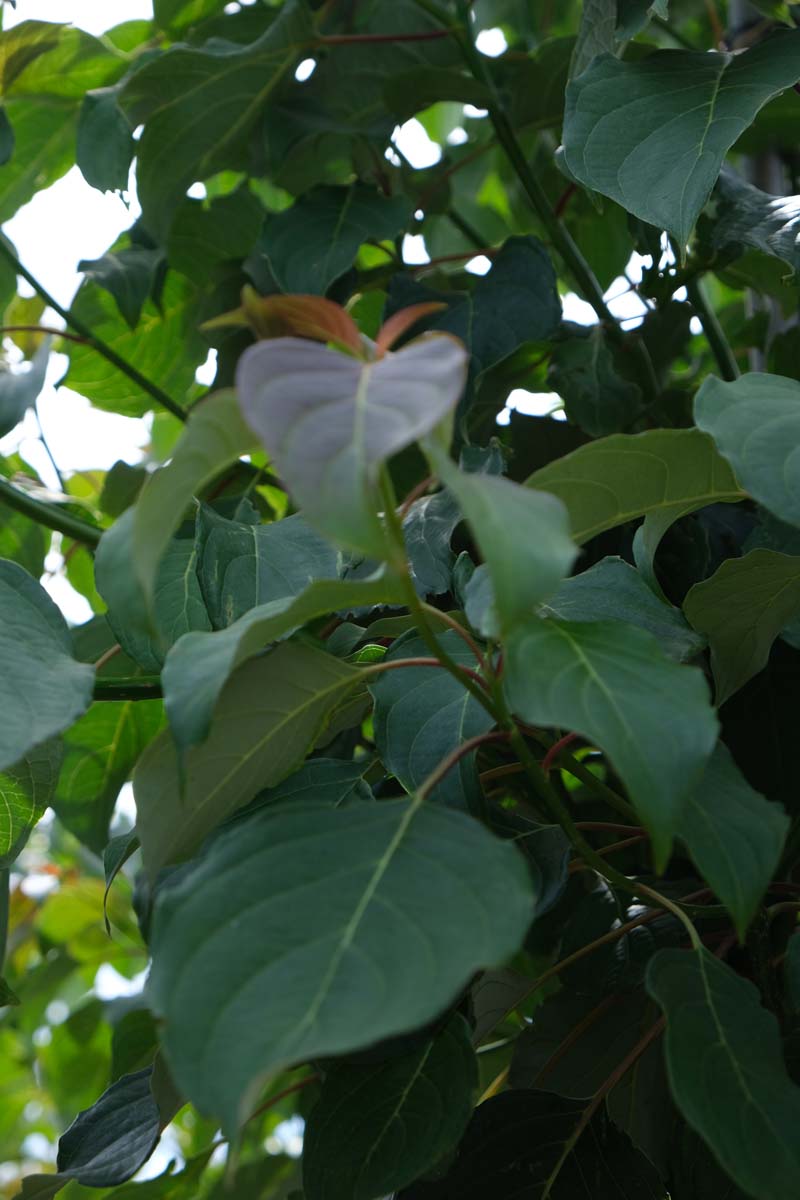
[46, 329]
[577, 865]
[451, 623]
[287, 1091]
[356, 39]
[49, 515]
[715, 334]
[133, 688]
[611, 1082]
[399, 663]
[455, 756]
[92, 340]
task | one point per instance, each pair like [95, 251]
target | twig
[112, 652]
[455, 756]
[50, 515]
[46, 329]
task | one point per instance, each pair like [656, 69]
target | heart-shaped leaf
[652, 135]
[331, 929]
[329, 421]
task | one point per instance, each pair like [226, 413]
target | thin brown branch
[455, 756]
[109, 654]
[46, 329]
[357, 39]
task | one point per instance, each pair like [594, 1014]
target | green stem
[49, 515]
[133, 688]
[415, 605]
[95, 342]
[715, 335]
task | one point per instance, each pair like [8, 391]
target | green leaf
[791, 974]
[422, 714]
[72, 61]
[173, 16]
[7, 995]
[734, 835]
[741, 609]
[26, 789]
[512, 1148]
[207, 235]
[755, 422]
[198, 666]
[749, 217]
[121, 486]
[526, 546]
[199, 107]
[330, 421]
[44, 132]
[165, 347]
[19, 391]
[742, 1102]
[333, 781]
[23, 541]
[43, 689]
[105, 145]
[99, 753]
[409, 92]
[634, 15]
[652, 135]
[596, 397]
[515, 302]
[612, 590]
[597, 33]
[379, 1125]
[612, 684]
[243, 566]
[129, 275]
[267, 718]
[618, 478]
[214, 437]
[22, 45]
[384, 919]
[313, 243]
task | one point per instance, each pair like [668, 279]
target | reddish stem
[455, 756]
[564, 199]
[580, 865]
[422, 662]
[488, 251]
[554, 751]
[48, 329]
[415, 493]
[356, 39]
[287, 1091]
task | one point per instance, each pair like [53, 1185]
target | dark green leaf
[513, 1145]
[105, 144]
[7, 996]
[267, 718]
[633, 15]
[331, 781]
[243, 566]
[612, 684]
[526, 546]
[791, 975]
[734, 835]
[595, 395]
[199, 107]
[597, 33]
[6, 138]
[378, 1125]
[329, 421]
[755, 422]
[515, 302]
[121, 486]
[197, 668]
[129, 275]
[408, 92]
[379, 904]
[422, 714]
[612, 590]
[308, 246]
[134, 1041]
[19, 390]
[26, 789]
[741, 609]
[750, 217]
[205, 235]
[652, 135]
[100, 750]
[43, 688]
[174, 16]
[609, 482]
[742, 1102]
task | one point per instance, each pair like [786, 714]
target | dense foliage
[463, 749]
